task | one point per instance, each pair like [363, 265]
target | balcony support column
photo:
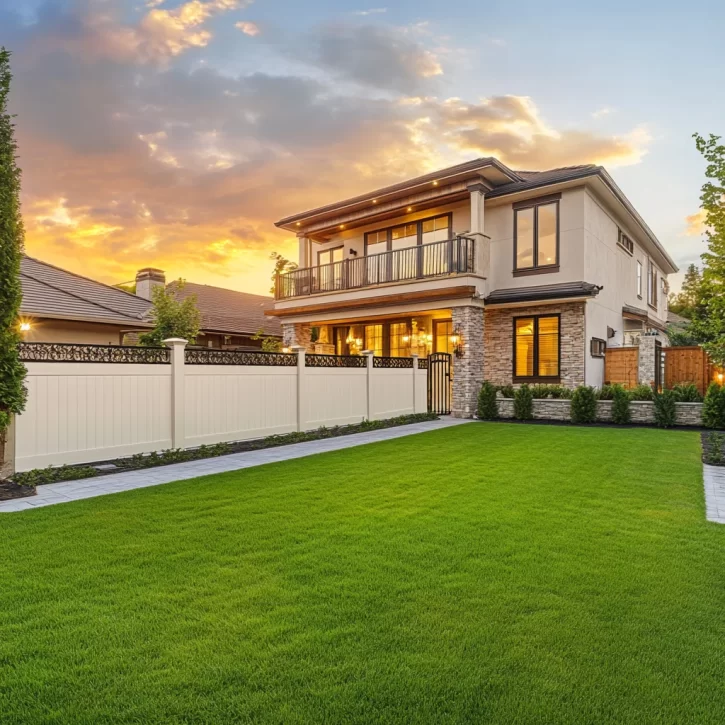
[304, 250]
[477, 190]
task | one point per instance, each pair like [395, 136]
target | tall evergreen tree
[708, 320]
[12, 371]
[684, 302]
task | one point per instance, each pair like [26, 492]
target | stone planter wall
[641, 411]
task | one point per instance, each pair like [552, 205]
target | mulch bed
[10, 490]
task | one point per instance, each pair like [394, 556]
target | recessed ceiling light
[342, 226]
[435, 183]
[375, 201]
[410, 208]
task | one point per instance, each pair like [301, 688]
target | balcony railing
[452, 256]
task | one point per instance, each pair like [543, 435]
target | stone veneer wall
[498, 367]
[646, 359]
[641, 411]
[297, 334]
[468, 369]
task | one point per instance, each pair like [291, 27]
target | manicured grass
[488, 573]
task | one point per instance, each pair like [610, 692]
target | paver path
[714, 478]
[54, 493]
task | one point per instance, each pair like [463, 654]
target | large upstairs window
[536, 236]
[536, 348]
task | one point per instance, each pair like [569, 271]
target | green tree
[686, 300]
[269, 343]
[12, 371]
[281, 265]
[172, 317]
[708, 319]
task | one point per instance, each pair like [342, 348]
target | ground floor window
[443, 336]
[399, 339]
[536, 347]
[374, 338]
[404, 337]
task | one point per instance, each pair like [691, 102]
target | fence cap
[174, 341]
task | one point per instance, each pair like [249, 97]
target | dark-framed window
[410, 234]
[598, 347]
[652, 285]
[537, 348]
[536, 235]
[625, 242]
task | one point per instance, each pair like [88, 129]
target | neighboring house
[60, 306]
[524, 276]
[229, 319]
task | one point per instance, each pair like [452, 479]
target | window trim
[652, 300]
[536, 378]
[535, 204]
[591, 347]
[640, 275]
[627, 248]
[419, 231]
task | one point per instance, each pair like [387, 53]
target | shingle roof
[49, 291]
[562, 290]
[225, 310]
[534, 179]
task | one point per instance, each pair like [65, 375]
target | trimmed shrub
[665, 409]
[606, 392]
[523, 403]
[620, 405]
[540, 392]
[507, 391]
[713, 410]
[642, 392]
[687, 393]
[557, 392]
[584, 405]
[487, 407]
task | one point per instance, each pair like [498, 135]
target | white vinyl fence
[91, 403]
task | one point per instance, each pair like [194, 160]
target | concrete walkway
[714, 477]
[53, 493]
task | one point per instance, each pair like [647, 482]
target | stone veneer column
[297, 333]
[467, 369]
[646, 364]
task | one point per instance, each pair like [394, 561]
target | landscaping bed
[713, 448]
[26, 481]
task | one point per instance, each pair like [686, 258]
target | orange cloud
[248, 28]
[696, 224]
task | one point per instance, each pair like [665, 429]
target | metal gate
[439, 383]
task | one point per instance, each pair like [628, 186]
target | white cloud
[371, 11]
[248, 28]
[604, 111]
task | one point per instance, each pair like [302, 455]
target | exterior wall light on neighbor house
[25, 326]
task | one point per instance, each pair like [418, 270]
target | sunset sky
[173, 134]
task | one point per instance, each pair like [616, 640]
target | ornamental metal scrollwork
[392, 362]
[423, 364]
[238, 357]
[335, 361]
[64, 352]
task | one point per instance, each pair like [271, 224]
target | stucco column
[646, 364]
[304, 248]
[477, 190]
[468, 368]
[297, 333]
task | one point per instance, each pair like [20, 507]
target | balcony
[424, 261]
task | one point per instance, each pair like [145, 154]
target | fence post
[178, 408]
[415, 375]
[301, 387]
[7, 450]
[369, 383]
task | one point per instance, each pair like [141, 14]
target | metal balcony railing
[452, 256]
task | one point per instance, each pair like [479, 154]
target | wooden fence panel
[620, 366]
[687, 365]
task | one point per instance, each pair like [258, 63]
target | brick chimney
[147, 279]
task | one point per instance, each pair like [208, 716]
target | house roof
[228, 311]
[677, 320]
[636, 313]
[562, 290]
[49, 291]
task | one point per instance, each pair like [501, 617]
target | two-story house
[523, 276]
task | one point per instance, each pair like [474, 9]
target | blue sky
[175, 133]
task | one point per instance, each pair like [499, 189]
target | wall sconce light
[457, 343]
[720, 377]
[25, 327]
[285, 349]
[353, 253]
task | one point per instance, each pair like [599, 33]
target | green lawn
[489, 573]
